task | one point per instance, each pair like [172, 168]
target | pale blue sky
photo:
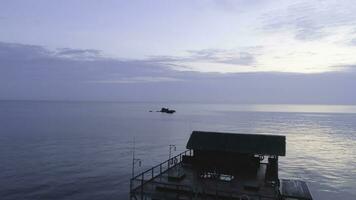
[54, 44]
[286, 36]
[128, 29]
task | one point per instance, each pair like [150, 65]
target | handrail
[140, 177]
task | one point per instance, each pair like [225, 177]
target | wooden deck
[183, 182]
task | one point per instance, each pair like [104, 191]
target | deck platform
[182, 182]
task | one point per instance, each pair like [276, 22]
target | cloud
[140, 79]
[165, 59]
[33, 72]
[347, 68]
[353, 42]
[239, 6]
[78, 53]
[11, 51]
[223, 56]
[200, 60]
[208, 55]
[243, 58]
[311, 20]
[40, 64]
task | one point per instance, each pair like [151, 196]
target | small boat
[167, 110]
[221, 166]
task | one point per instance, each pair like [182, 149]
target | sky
[236, 51]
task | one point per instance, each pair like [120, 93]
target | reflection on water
[295, 108]
[321, 151]
[62, 150]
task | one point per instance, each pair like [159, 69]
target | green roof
[238, 143]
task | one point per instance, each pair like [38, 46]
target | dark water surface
[82, 150]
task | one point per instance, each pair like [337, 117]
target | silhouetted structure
[221, 166]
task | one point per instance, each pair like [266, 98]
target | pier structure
[221, 166]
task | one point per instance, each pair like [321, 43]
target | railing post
[142, 177]
[130, 188]
[130, 185]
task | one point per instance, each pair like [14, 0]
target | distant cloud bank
[34, 72]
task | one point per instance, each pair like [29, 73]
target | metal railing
[141, 179]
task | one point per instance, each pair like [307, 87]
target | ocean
[83, 150]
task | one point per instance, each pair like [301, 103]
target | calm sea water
[82, 150]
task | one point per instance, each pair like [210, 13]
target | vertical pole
[169, 156]
[130, 189]
[133, 166]
[160, 171]
[277, 170]
[142, 187]
[133, 158]
[170, 153]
